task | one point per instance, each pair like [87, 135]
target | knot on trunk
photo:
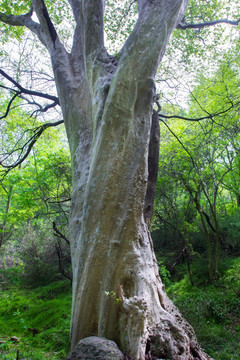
[136, 309]
[134, 306]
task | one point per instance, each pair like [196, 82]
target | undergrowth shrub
[212, 309]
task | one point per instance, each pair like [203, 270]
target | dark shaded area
[153, 157]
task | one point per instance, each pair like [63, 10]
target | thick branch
[93, 25]
[78, 39]
[18, 20]
[23, 20]
[76, 9]
[183, 25]
[48, 30]
[22, 90]
[156, 21]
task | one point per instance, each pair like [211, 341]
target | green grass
[47, 309]
[213, 310]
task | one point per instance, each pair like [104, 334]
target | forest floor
[34, 322]
[212, 309]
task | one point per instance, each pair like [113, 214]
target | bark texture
[107, 107]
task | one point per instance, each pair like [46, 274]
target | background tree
[34, 199]
[197, 161]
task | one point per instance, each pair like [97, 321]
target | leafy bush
[164, 273]
[212, 309]
[34, 256]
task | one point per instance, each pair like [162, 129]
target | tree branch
[153, 159]
[184, 25]
[180, 142]
[76, 9]
[208, 221]
[77, 50]
[9, 105]
[49, 33]
[156, 20]
[210, 116]
[60, 260]
[93, 25]
[28, 146]
[126, 12]
[16, 20]
[22, 90]
[59, 233]
[23, 20]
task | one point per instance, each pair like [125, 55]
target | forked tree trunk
[107, 107]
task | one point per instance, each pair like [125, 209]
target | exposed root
[147, 357]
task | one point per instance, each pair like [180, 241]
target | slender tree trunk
[217, 236]
[238, 200]
[4, 224]
[189, 267]
[209, 248]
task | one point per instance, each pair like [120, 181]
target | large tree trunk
[111, 247]
[107, 107]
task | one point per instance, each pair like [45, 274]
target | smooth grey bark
[107, 106]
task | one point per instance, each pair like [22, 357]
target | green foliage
[10, 276]
[197, 199]
[212, 310]
[36, 253]
[208, 41]
[47, 176]
[59, 11]
[197, 51]
[164, 272]
[31, 198]
[45, 310]
[17, 8]
[119, 22]
[113, 296]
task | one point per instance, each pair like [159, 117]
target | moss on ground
[38, 322]
[212, 309]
